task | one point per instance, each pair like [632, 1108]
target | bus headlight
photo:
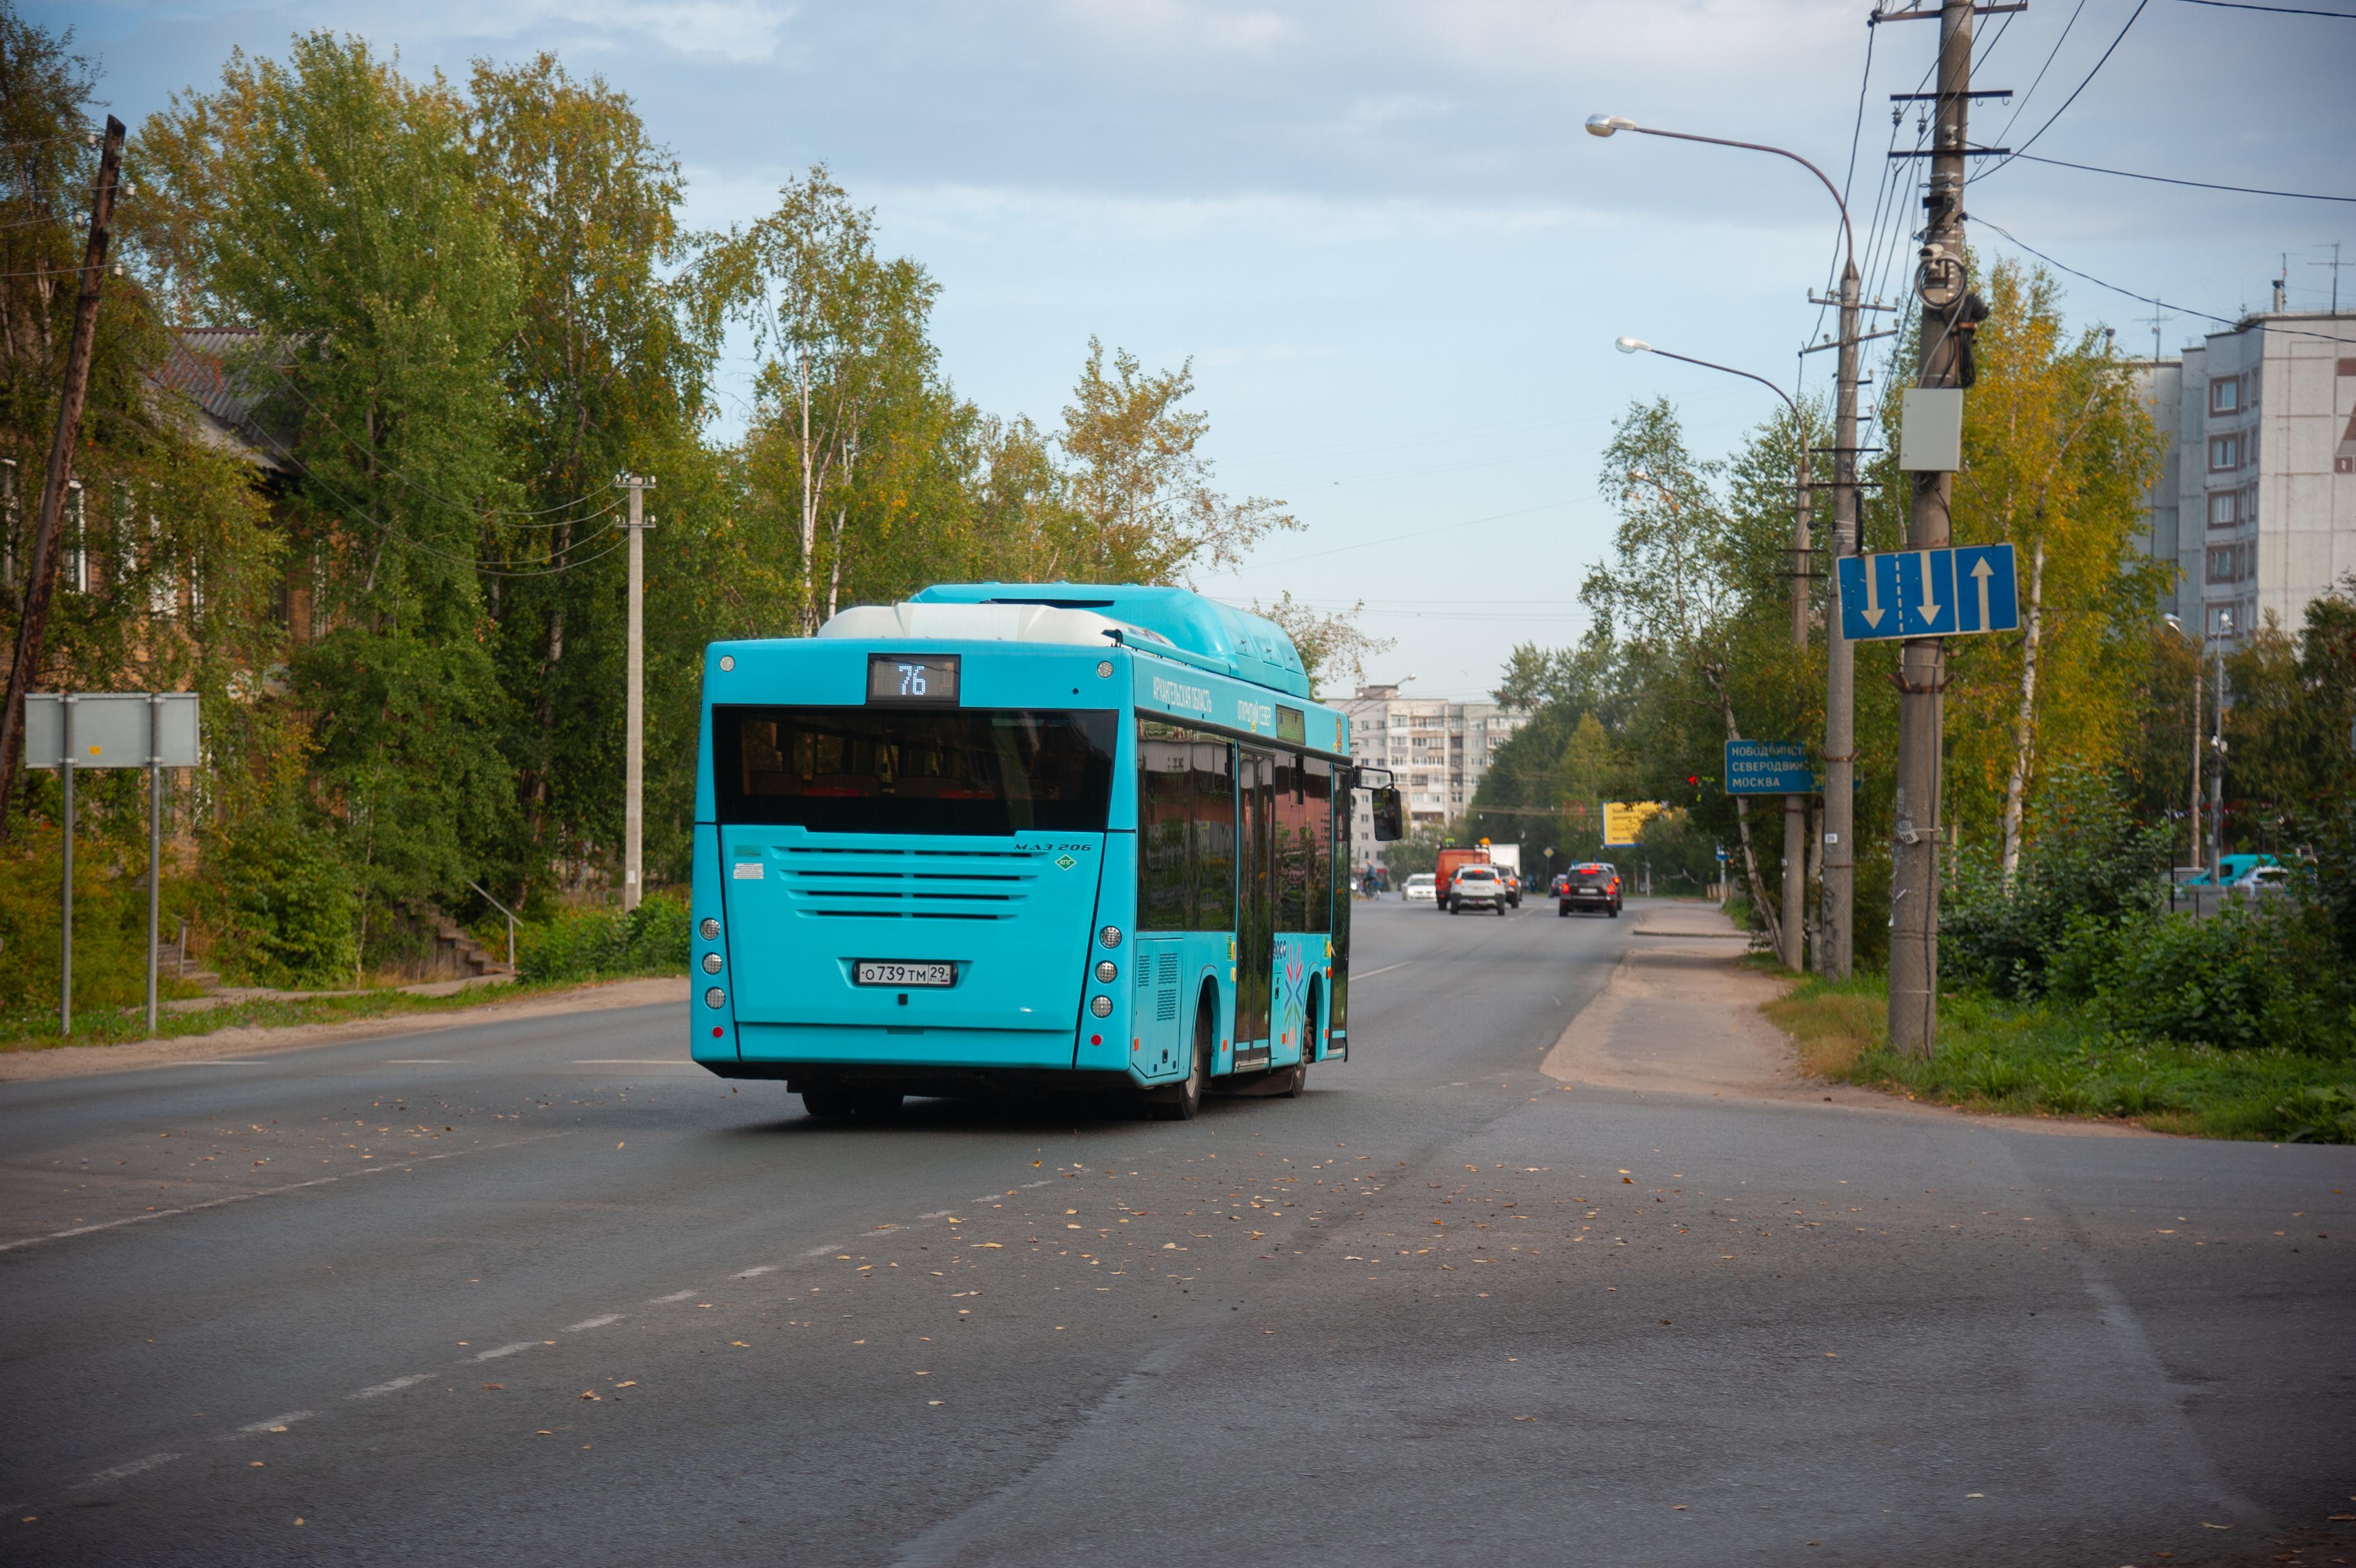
[1109, 936]
[1107, 971]
[715, 997]
[1101, 1007]
[711, 964]
[709, 929]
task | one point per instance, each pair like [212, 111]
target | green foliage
[286, 905]
[595, 944]
[2240, 980]
[2091, 867]
[2050, 1058]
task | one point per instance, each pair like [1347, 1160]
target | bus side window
[1317, 842]
[1214, 858]
[1166, 809]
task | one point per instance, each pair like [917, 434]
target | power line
[2079, 88]
[2146, 298]
[393, 534]
[2279, 10]
[2052, 54]
[1418, 534]
[2197, 184]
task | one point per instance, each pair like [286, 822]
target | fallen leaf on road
[2206, 1525]
[628, 1383]
[590, 1394]
[495, 1388]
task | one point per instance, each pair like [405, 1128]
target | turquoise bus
[1022, 837]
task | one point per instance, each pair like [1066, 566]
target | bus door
[1254, 902]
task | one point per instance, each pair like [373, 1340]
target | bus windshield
[898, 770]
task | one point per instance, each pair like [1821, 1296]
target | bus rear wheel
[829, 1103]
[1183, 1103]
[875, 1104]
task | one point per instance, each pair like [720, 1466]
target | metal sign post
[72, 730]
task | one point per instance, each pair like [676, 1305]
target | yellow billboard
[1625, 819]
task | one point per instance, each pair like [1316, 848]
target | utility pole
[1915, 879]
[1836, 930]
[634, 720]
[41, 579]
[1794, 929]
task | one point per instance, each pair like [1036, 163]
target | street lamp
[1836, 943]
[1795, 807]
[2192, 805]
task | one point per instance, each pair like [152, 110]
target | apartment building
[1440, 749]
[2255, 505]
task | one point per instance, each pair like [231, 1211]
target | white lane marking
[1370, 973]
[945, 1213]
[588, 1323]
[275, 1421]
[756, 1273]
[821, 1251]
[395, 1386]
[270, 1192]
[675, 1295]
[224, 1061]
[1040, 1183]
[121, 1471]
[633, 1061]
[509, 1350]
[421, 1061]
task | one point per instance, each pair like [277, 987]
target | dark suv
[1594, 885]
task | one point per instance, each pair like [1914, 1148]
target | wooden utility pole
[1923, 665]
[41, 574]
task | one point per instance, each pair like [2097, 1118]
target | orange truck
[1452, 861]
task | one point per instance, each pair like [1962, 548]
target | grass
[125, 1026]
[2031, 1060]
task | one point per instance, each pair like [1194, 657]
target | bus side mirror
[1389, 816]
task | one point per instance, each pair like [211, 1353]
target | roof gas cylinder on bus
[1009, 836]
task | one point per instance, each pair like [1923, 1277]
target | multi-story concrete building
[1438, 749]
[2256, 504]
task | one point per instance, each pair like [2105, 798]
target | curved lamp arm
[1605, 125]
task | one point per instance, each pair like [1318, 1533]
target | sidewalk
[245, 1041]
[1680, 1016]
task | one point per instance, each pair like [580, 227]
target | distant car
[1423, 886]
[1593, 885]
[2263, 881]
[1477, 888]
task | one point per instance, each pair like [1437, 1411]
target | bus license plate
[872, 973]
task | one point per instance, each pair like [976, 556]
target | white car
[1423, 886]
[1477, 888]
[2261, 881]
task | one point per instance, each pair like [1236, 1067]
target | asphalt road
[541, 1293]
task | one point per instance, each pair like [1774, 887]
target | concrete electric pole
[1946, 304]
[634, 743]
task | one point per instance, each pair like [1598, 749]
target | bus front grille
[907, 883]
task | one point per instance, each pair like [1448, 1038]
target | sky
[1380, 234]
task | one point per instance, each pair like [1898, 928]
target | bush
[289, 909]
[2243, 979]
[2089, 864]
[586, 945]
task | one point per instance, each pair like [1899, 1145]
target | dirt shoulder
[70, 1061]
[1681, 1016]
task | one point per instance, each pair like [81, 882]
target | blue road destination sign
[1929, 593]
[1768, 767]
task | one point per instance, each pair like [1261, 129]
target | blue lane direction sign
[1768, 767]
[1929, 593]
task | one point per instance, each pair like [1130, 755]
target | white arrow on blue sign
[1929, 593]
